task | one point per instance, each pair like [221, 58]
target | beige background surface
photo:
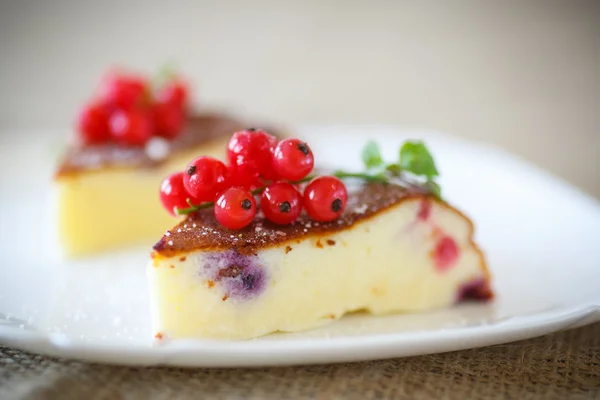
[522, 74]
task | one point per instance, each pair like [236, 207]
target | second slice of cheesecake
[106, 192]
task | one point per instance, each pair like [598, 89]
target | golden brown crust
[202, 232]
[200, 129]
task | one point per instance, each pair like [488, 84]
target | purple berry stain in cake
[240, 276]
[477, 289]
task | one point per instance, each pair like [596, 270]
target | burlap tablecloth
[564, 365]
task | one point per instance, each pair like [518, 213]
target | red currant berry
[125, 92]
[173, 194]
[92, 124]
[235, 208]
[281, 203]
[244, 177]
[325, 198]
[204, 178]
[174, 93]
[293, 159]
[252, 149]
[168, 120]
[131, 128]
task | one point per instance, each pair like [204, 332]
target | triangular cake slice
[392, 250]
[100, 186]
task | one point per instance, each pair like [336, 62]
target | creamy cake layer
[393, 250]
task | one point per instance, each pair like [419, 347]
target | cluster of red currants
[128, 112]
[257, 164]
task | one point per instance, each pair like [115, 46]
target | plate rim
[293, 351]
[231, 354]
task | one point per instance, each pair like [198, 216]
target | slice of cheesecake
[392, 250]
[101, 186]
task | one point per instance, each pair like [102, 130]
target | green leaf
[371, 156]
[416, 159]
[435, 189]
[393, 169]
[166, 73]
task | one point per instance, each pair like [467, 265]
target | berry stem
[194, 207]
[361, 175]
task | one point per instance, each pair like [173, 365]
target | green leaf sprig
[167, 72]
[414, 160]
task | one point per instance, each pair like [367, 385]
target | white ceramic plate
[541, 236]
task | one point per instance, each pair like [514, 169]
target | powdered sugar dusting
[361, 209]
[157, 149]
